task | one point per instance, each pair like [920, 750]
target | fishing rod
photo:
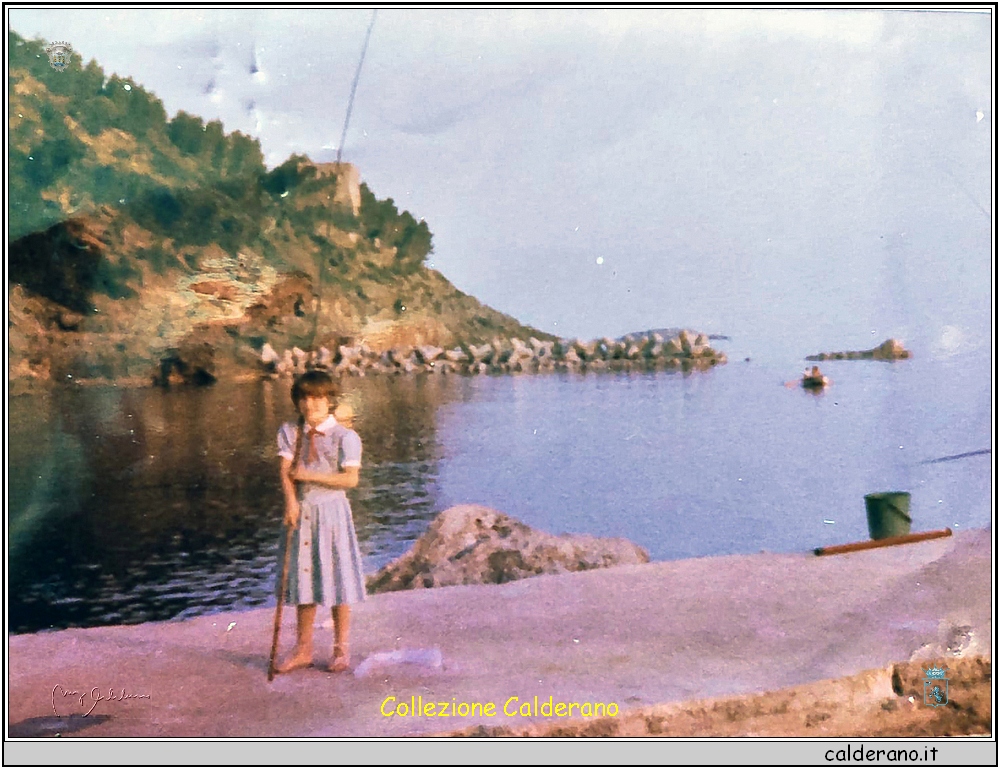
[354, 85]
[340, 149]
[956, 456]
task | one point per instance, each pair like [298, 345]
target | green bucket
[888, 514]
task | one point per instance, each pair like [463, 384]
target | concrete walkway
[632, 635]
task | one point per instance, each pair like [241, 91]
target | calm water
[137, 505]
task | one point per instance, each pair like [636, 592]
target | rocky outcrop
[192, 363]
[101, 299]
[471, 544]
[890, 349]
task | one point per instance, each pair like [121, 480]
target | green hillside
[133, 236]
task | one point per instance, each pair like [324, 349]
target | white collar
[325, 426]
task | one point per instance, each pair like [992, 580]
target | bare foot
[341, 660]
[298, 659]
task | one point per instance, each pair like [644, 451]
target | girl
[325, 562]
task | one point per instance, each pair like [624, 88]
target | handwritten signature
[90, 699]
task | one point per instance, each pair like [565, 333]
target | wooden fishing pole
[288, 555]
[886, 542]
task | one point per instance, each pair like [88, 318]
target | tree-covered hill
[134, 235]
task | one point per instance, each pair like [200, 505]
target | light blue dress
[325, 565]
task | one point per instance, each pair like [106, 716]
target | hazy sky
[801, 180]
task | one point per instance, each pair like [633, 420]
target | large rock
[520, 352]
[471, 544]
[481, 354]
[349, 356]
[571, 357]
[587, 351]
[428, 353]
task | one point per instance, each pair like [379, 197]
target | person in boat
[814, 378]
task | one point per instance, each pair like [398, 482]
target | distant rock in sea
[670, 333]
[890, 349]
[472, 544]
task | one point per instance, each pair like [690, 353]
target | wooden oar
[284, 567]
[888, 541]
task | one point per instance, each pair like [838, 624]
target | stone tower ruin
[348, 183]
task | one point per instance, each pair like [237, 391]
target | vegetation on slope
[160, 231]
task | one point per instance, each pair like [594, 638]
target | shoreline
[369, 576]
[25, 385]
[650, 351]
[639, 636]
[32, 385]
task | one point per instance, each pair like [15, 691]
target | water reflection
[137, 505]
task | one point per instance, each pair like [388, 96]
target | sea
[131, 505]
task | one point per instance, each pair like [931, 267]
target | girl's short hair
[315, 383]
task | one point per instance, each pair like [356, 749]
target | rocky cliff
[147, 249]
[141, 243]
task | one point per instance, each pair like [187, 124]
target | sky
[797, 179]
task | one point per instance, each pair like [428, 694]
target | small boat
[814, 379]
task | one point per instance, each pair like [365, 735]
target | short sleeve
[286, 441]
[351, 448]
